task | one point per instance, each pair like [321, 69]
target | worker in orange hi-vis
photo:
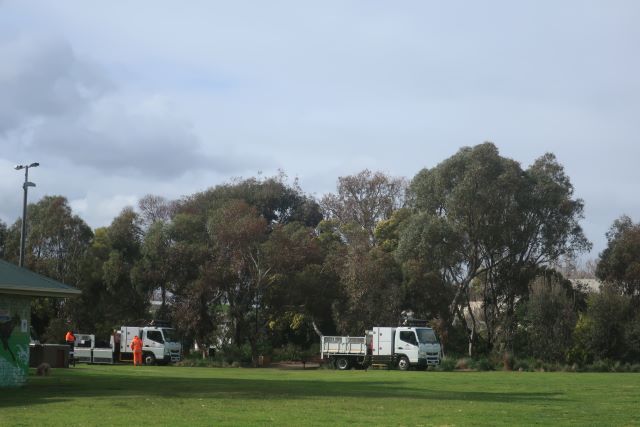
[70, 339]
[136, 347]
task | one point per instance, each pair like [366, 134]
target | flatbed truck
[403, 347]
[159, 345]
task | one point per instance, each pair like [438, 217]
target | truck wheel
[149, 359]
[342, 363]
[403, 363]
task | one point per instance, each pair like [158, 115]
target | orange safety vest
[136, 345]
[69, 337]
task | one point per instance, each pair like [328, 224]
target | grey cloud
[44, 79]
[55, 103]
[123, 143]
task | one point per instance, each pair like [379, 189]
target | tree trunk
[315, 328]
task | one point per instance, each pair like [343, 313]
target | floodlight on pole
[25, 187]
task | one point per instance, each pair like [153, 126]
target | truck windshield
[426, 336]
[169, 335]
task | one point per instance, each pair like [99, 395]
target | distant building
[18, 286]
[591, 285]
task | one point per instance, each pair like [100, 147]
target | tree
[550, 317]
[371, 290]
[237, 231]
[619, 263]
[223, 231]
[123, 295]
[608, 329]
[275, 200]
[3, 239]
[298, 299]
[57, 242]
[478, 214]
[365, 199]
[154, 209]
[155, 267]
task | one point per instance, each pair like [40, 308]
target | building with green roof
[18, 286]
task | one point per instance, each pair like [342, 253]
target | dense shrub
[483, 364]
[447, 364]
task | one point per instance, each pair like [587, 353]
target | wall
[14, 339]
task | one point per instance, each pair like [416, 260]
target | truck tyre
[342, 363]
[403, 363]
[149, 359]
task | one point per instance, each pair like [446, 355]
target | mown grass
[120, 395]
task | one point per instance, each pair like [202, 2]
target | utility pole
[25, 186]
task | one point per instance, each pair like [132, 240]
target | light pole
[25, 186]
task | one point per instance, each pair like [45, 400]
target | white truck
[159, 345]
[402, 347]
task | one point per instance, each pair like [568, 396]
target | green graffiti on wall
[14, 339]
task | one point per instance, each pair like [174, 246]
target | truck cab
[419, 346]
[405, 346]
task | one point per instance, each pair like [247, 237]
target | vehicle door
[154, 340]
[407, 344]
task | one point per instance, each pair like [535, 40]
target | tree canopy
[254, 266]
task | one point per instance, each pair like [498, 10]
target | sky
[119, 99]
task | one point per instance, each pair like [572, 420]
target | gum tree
[480, 215]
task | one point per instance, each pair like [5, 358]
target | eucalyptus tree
[154, 209]
[364, 200]
[126, 295]
[480, 215]
[57, 239]
[370, 279]
[3, 238]
[154, 266]
[297, 302]
[237, 231]
[619, 263]
[56, 246]
[219, 235]
[550, 317]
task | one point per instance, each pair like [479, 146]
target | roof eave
[39, 292]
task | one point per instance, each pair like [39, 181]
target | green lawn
[120, 395]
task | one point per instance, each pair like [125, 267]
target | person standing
[116, 345]
[136, 347]
[70, 339]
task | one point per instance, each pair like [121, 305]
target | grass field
[121, 395]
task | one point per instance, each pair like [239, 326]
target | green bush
[295, 353]
[602, 365]
[522, 365]
[483, 364]
[235, 355]
[447, 364]
[198, 363]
